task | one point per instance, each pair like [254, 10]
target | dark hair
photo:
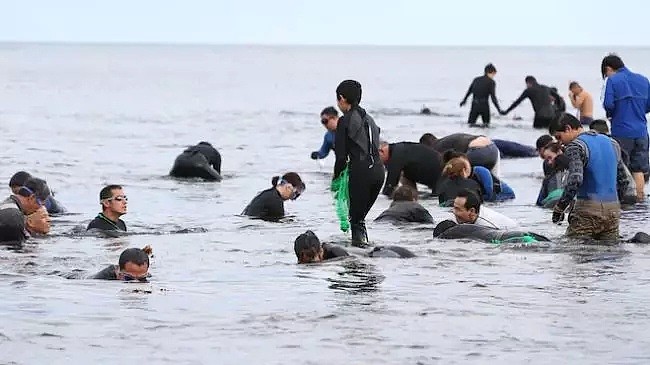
[290, 177]
[530, 79]
[471, 200]
[428, 139]
[134, 255]
[572, 84]
[600, 126]
[613, 61]
[350, 90]
[19, 178]
[555, 147]
[330, 111]
[443, 226]
[107, 191]
[553, 89]
[566, 121]
[451, 154]
[405, 193]
[37, 187]
[306, 246]
[489, 68]
[205, 143]
[543, 141]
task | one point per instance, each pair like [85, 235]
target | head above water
[308, 248]
[467, 207]
[290, 185]
[205, 143]
[32, 194]
[329, 118]
[610, 65]
[575, 87]
[530, 81]
[384, 151]
[600, 126]
[566, 129]
[18, 180]
[443, 226]
[457, 168]
[542, 142]
[113, 201]
[551, 152]
[428, 139]
[490, 70]
[134, 264]
[348, 94]
[405, 194]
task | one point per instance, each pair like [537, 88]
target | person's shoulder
[108, 273]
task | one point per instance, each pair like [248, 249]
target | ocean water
[227, 290]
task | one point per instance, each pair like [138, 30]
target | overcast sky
[378, 22]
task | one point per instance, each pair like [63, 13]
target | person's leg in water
[542, 122]
[365, 184]
[474, 112]
[485, 115]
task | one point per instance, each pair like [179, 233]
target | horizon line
[191, 44]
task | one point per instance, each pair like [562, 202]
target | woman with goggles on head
[269, 204]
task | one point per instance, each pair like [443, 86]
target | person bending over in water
[329, 118]
[451, 230]
[357, 147]
[540, 144]
[456, 177]
[202, 160]
[23, 213]
[52, 205]
[553, 184]
[482, 88]
[114, 205]
[309, 249]
[468, 209]
[507, 149]
[492, 188]
[540, 97]
[405, 208]
[413, 162]
[269, 204]
[480, 150]
[133, 265]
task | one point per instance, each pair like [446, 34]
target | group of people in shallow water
[586, 173]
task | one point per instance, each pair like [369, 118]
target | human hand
[503, 112]
[314, 155]
[39, 221]
[462, 103]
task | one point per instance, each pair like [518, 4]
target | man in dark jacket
[540, 97]
[412, 162]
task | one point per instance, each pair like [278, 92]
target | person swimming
[405, 208]
[468, 209]
[309, 249]
[269, 204]
[202, 161]
[449, 229]
[52, 205]
[133, 265]
[329, 118]
[23, 213]
[114, 205]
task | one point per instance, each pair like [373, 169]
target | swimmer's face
[566, 136]
[311, 256]
[117, 203]
[384, 152]
[133, 272]
[329, 122]
[462, 214]
[549, 155]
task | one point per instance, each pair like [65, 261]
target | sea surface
[226, 289]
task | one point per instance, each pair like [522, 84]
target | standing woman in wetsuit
[357, 146]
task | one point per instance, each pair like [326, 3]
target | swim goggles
[118, 198]
[128, 277]
[30, 192]
[296, 191]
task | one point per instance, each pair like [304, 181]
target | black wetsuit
[488, 234]
[109, 273]
[540, 97]
[405, 212]
[103, 223]
[482, 88]
[12, 222]
[357, 146]
[266, 205]
[202, 161]
[458, 142]
[448, 189]
[419, 163]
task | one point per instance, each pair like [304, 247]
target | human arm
[576, 100]
[341, 147]
[608, 98]
[577, 157]
[516, 103]
[469, 92]
[493, 95]
[38, 222]
[394, 168]
[325, 147]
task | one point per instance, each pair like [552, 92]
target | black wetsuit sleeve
[493, 95]
[106, 274]
[341, 146]
[469, 91]
[267, 204]
[516, 103]
[394, 167]
[104, 225]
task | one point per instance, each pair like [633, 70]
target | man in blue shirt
[329, 117]
[626, 101]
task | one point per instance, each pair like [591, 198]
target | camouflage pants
[596, 220]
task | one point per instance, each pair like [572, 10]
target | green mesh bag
[342, 199]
